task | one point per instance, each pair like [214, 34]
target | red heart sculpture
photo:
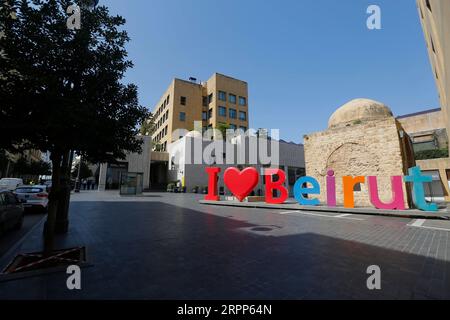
[241, 183]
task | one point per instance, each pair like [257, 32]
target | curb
[373, 212]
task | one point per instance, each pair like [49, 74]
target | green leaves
[62, 89]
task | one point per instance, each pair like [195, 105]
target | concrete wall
[367, 149]
[423, 121]
[137, 163]
[432, 122]
[290, 154]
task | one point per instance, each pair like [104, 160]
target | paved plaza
[169, 246]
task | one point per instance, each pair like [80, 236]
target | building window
[168, 99]
[428, 5]
[210, 98]
[182, 116]
[432, 44]
[242, 101]
[204, 115]
[222, 111]
[233, 126]
[165, 146]
[165, 131]
[222, 96]
[232, 98]
[183, 101]
[210, 112]
[232, 113]
[242, 115]
[204, 101]
[167, 114]
[243, 128]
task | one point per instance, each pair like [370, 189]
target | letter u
[398, 200]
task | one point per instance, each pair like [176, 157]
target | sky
[302, 59]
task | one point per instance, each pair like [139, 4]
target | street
[11, 237]
[168, 246]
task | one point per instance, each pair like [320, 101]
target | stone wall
[361, 149]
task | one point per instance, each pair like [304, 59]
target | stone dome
[359, 110]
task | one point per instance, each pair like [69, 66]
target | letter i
[331, 189]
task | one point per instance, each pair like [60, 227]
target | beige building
[362, 139]
[427, 130]
[221, 99]
[435, 19]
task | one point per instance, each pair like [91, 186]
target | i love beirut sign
[242, 183]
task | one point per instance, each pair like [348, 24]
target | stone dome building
[359, 110]
[363, 139]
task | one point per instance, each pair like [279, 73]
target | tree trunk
[62, 214]
[49, 229]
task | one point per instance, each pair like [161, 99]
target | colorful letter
[349, 185]
[212, 183]
[331, 189]
[300, 190]
[417, 181]
[398, 200]
[278, 185]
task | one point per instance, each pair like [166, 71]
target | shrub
[431, 154]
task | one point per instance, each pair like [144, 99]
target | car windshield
[29, 190]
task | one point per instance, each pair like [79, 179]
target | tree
[31, 168]
[223, 127]
[62, 90]
[148, 127]
[85, 172]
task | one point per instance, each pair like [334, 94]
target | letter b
[277, 185]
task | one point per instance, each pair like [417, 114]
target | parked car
[10, 183]
[11, 211]
[33, 197]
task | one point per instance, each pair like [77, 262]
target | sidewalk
[443, 213]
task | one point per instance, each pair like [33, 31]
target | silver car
[33, 197]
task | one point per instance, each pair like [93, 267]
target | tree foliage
[61, 89]
[33, 168]
[431, 154]
[85, 172]
[148, 127]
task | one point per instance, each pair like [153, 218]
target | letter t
[417, 180]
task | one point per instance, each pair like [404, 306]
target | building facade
[289, 157]
[429, 137]
[435, 20]
[219, 100]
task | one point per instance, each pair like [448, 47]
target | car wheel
[19, 223]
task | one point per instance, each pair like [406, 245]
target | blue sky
[302, 59]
